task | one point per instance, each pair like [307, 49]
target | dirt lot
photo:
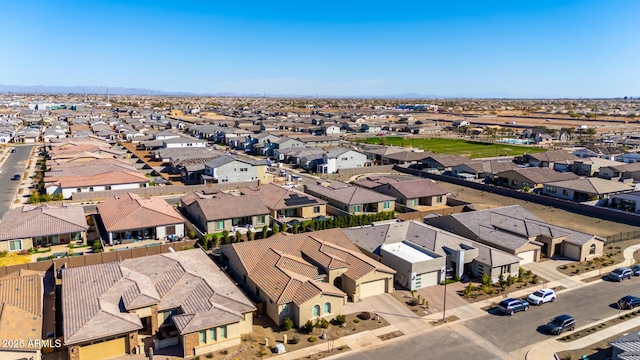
[552, 215]
[253, 345]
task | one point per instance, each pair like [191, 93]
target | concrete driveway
[384, 305]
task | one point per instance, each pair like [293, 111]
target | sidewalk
[541, 351]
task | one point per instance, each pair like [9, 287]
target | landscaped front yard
[486, 290]
[613, 254]
[254, 345]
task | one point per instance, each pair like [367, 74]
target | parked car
[636, 269]
[561, 323]
[511, 306]
[13, 150]
[289, 186]
[542, 296]
[16, 177]
[628, 302]
[620, 274]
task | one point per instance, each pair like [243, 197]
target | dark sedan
[628, 302]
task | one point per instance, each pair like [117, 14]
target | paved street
[15, 164]
[443, 343]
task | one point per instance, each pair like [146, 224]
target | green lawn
[467, 148]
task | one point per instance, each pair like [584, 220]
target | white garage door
[372, 288]
[527, 256]
[426, 279]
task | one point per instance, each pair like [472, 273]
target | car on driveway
[542, 296]
[561, 323]
[628, 302]
[620, 274]
[13, 150]
[636, 269]
[511, 306]
[16, 177]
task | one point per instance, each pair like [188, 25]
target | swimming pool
[516, 141]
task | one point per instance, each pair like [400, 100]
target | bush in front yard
[341, 319]
[295, 339]
[287, 324]
[308, 326]
[365, 315]
[312, 339]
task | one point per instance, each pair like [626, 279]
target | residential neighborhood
[129, 232]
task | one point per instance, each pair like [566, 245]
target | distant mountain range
[104, 90]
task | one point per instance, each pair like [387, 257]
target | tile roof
[130, 211]
[412, 189]
[593, 185]
[539, 175]
[96, 298]
[553, 155]
[21, 299]
[276, 197]
[228, 208]
[285, 266]
[447, 160]
[347, 194]
[31, 221]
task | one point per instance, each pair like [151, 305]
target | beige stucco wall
[305, 311]
[26, 244]
[584, 249]
[307, 211]
[352, 288]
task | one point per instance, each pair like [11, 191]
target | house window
[79, 190]
[220, 225]
[260, 220]
[285, 309]
[565, 192]
[440, 198]
[592, 249]
[356, 208]
[411, 202]
[344, 158]
[108, 187]
[91, 188]
[316, 209]
[223, 332]
[316, 310]
[526, 184]
[327, 308]
[387, 205]
[203, 337]
[551, 189]
[212, 334]
[514, 183]
[15, 245]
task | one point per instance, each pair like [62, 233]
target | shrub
[413, 302]
[209, 356]
[295, 339]
[365, 315]
[238, 236]
[341, 319]
[312, 339]
[287, 324]
[262, 353]
[285, 228]
[4, 253]
[223, 352]
[341, 347]
[486, 280]
[520, 274]
[308, 326]
[97, 247]
[355, 321]
[322, 323]
[265, 231]
[250, 236]
[191, 234]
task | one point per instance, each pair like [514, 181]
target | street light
[445, 270]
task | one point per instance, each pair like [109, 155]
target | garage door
[426, 279]
[104, 350]
[527, 256]
[372, 288]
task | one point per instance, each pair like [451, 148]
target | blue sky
[446, 48]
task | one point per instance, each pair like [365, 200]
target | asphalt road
[441, 343]
[588, 304]
[15, 164]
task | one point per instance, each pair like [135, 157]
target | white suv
[542, 296]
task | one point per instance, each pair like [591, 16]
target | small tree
[225, 237]
[214, 241]
[486, 280]
[275, 228]
[308, 326]
[250, 235]
[520, 274]
[265, 231]
[284, 227]
[205, 242]
[287, 324]
[238, 236]
[296, 228]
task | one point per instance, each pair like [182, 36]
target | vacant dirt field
[552, 215]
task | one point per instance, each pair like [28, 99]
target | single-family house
[585, 189]
[421, 254]
[349, 199]
[483, 169]
[216, 212]
[129, 217]
[627, 202]
[531, 177]
[285, 204]
[179, 299]
[420, 194]
[304, 277]
[591, 166]
[444, 162]
[518, 231]
[548, 158]
[228, 168]
[341, 158]
[623, 171]
[34, 226]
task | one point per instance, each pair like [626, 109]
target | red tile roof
[129, 211]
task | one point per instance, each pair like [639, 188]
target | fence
[380, 169]
[93, 259]
[578, 208]
[160, 190]
[621, 237]
[419, 215]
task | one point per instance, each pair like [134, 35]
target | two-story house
[341, 158]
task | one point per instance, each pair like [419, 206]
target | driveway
[548, 270]
[384, 305]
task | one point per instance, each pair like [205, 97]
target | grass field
[15, 259]
[467, 148]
